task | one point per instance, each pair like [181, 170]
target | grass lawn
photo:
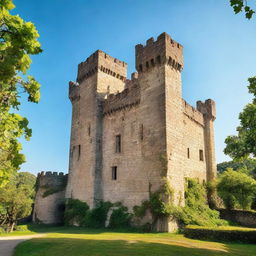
[65, 241]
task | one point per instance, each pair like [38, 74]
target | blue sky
[219, 52]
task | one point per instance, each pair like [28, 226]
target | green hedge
[224, 235]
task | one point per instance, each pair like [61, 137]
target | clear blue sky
[219, 51]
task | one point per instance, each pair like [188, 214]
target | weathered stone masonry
[147, 117]
[50, 197]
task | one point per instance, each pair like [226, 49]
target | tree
[18, 40]
[236, 189]
[16, 199]
[243, 145]
[247, 165]
[240, 6]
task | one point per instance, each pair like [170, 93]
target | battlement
[207, 108]
[192, 113]
[51, 179]
[128, 98]
[100, 61]
[51, 174]
[162, 51]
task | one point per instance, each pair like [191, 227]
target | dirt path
[7, 244]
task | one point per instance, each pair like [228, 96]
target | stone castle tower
[123, 130]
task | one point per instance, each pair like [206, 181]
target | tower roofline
[100, 60]
[164, 50]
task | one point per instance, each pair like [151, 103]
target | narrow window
[152, 63]
[114, 172]
[158, 59]
[188, 153]
[118, 143]
[79, 151]
[147, 64]
[140, 68]
[89, 130]
[201, 155]
[141, 132]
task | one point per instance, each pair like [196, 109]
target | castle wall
[50, 198]
[131, 185]
[137, 115]
[193, 141]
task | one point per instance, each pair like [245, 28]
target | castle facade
[127, 134]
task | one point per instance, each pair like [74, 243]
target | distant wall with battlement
[192, 113]
[125, 99]
[50, 197]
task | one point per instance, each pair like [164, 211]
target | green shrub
[21, 228]
[236, 189]
[196, 210]
[160, 204]
[96, 217]
[2, 230]
[227, 235]
[120, 218]
[75, 211]
[140, 211]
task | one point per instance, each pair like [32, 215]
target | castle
[123, 130]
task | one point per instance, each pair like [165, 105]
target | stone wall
[50, 198]
[99, 76]
[243, 218]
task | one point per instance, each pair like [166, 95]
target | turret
[208, 110]
[50, 197]
[162, 51]
[98, 76]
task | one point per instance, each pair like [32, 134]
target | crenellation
[129, 97]
[207, 108]
[192, 113]
[100, 61]
[160, 52]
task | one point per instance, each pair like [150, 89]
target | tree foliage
[236, 189]
[242, 6]
[16, 199]
[243, 145]
[248, 166]
[18, 40]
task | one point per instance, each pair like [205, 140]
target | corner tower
[98, 76]
[159, 64]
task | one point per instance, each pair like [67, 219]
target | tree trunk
[12, 226]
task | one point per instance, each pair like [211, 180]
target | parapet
[162, 51]
[126, 99]
[207, 108]
[99, 60]
[192, 113]
[51, 179]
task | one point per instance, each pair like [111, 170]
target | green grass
[222, 228]
[35, 229]
[83, 242]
